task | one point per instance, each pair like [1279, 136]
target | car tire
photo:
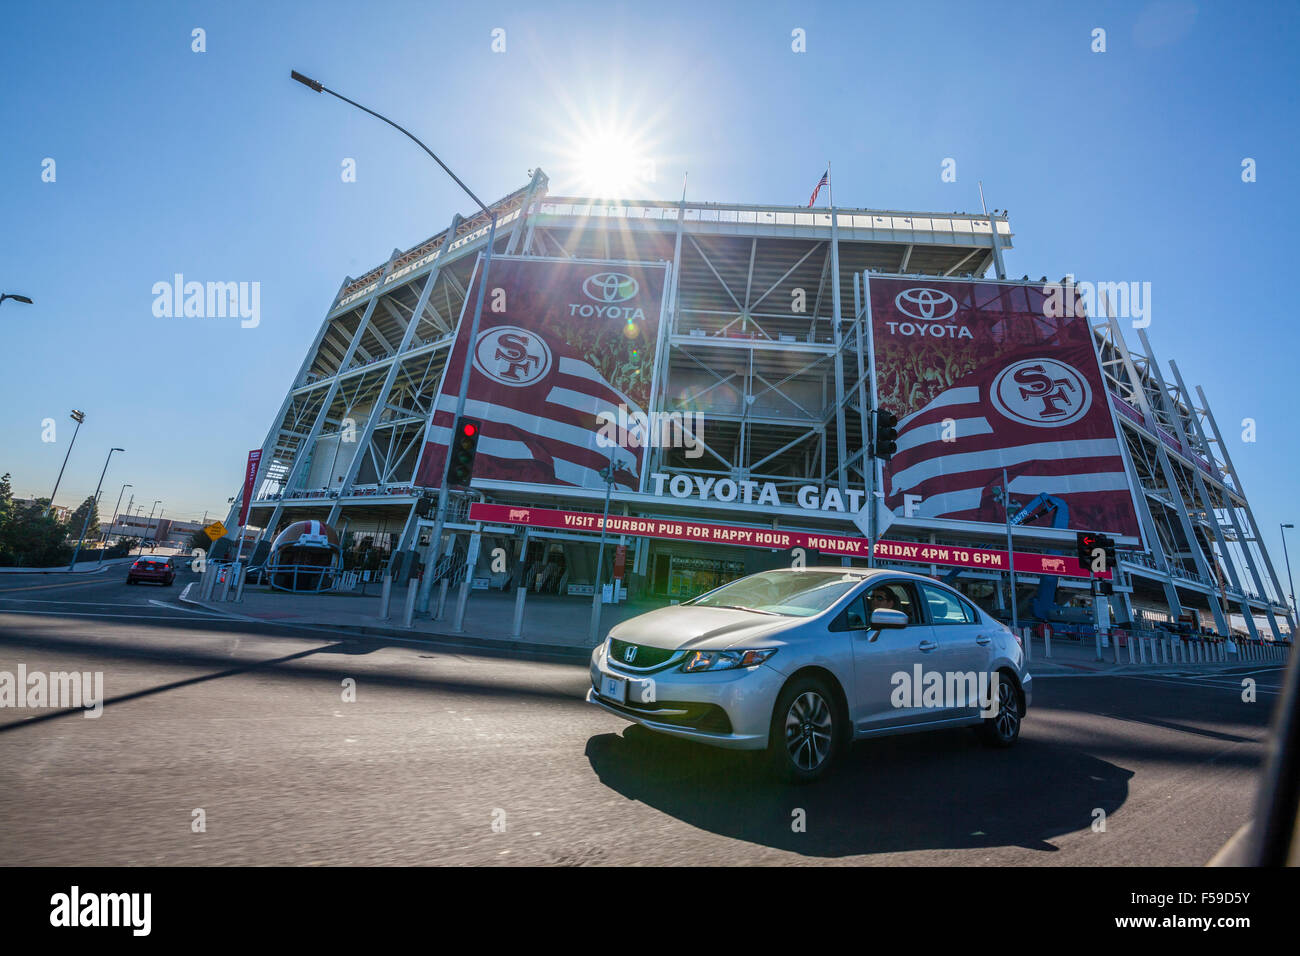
[1004, 730]
[807, 731]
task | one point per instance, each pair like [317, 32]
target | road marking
[42, 587]
[187, 610]
[143, 617]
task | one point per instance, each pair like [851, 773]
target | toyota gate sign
[983, 378]
[560, 342]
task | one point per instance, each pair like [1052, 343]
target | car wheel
[806, 734]
[1004, 729]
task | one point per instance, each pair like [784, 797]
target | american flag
[825, 180]
[956, 478]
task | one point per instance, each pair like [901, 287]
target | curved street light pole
[435, 539]
[86, 522]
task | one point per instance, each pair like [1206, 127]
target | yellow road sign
[215, 530]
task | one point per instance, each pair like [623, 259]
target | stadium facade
[764, 338]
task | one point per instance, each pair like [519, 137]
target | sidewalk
[558, 626]
[555, 625]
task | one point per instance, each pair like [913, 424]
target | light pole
[606, 473]
[112, 521]
[156, 503]
[1290, 580]
[435, 539]
[1004, 495]
[78, 417]
[86, 522]
[15, 297]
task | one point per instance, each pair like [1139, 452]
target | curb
[496, 647]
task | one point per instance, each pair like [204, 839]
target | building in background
[764, 334]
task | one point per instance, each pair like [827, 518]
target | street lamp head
[15, 297]
[1288, 526]
[77, 416]
[306, 81]
[111, 450]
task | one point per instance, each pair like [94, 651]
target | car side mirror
[884, 619]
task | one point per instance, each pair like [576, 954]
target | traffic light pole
[435, 539]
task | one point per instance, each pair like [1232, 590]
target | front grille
[646, 657]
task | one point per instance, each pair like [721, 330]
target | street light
[440, 519]
[112, 520]
[15, 297]
[86, 522]
[1290, 580]
[77, 416]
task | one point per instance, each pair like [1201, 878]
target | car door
[884, 662]
[961, 652]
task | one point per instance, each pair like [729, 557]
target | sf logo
[1042, 392]
[512, 356]
[1035, 383]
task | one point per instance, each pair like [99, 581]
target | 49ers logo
[1041, 392]
[512, 356]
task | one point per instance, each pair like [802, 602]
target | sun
[610, 164]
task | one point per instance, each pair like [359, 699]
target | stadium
[731, 350]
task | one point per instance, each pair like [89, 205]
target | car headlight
[725, 660]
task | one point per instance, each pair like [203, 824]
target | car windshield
[790, 593]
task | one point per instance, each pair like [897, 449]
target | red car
[151, 569]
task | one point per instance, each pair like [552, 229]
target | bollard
[239, 592]
[458, 624]
[1028, 633]
[210, 584]
[1114, 642]
[518, 630]
[385, 596]
[1099, 657]
[1142, 650]
[1131, 660]
[1164, 651]
[1047, 641]
[225, 586]
[409, 611]
[442, 600]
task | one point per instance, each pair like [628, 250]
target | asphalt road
[452, 757]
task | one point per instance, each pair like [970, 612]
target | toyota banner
[563, 368]
[989, 375]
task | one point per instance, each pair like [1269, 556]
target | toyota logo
[926, 305]
[610, 287]
[629, 655]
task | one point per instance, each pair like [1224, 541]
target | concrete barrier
[385, 596]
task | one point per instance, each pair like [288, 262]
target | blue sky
[1123, 165]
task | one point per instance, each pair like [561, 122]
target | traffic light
[886, 434]
[464, 446]
[1096, 552]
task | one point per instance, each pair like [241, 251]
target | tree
[78, 516]
[28, 535]
[199, 539]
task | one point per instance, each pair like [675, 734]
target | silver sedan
[801, 662]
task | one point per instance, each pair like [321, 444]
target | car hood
[699, 628]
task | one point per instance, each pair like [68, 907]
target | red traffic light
[469, 429]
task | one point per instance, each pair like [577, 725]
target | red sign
[250, 478]
[561, 373]
[986, 376]
[833, 544]
[620, 560]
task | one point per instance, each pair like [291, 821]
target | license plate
[614, 688]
